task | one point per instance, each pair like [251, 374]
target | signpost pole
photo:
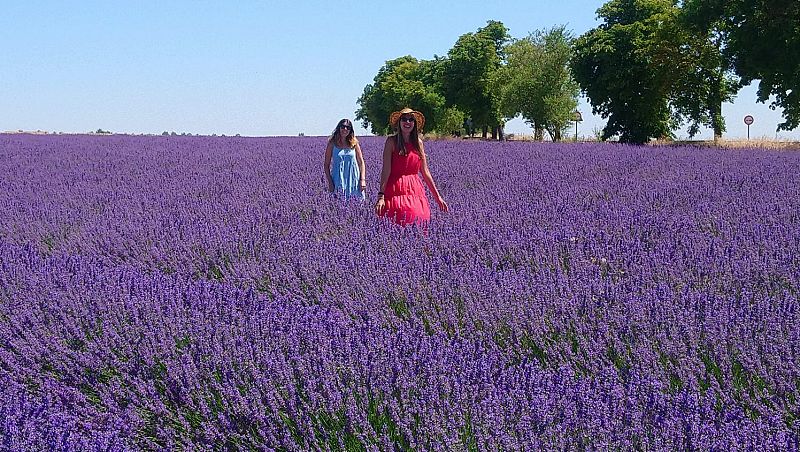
[748, 120]
[576, 116]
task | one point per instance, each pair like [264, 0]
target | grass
[724, 143]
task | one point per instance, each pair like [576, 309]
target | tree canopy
[468, 70]
[614, 66]
[536, 82]
[401, 82]
[647, 70]
[703, 78]
[650, 67]
[760, 40]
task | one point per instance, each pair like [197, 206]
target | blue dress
[346, 173]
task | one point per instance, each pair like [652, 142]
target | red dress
[406, 202]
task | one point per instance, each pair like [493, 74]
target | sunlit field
[197, 292]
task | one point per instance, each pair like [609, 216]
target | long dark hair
[414, 137]
[351, 136]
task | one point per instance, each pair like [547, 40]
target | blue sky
[249, 67]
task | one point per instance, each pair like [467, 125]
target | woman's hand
[380, 205]
[442, 204]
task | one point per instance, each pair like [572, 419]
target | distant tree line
[650, 67]
[485, 79]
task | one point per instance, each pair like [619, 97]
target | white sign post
[576, 116]
[748, 120]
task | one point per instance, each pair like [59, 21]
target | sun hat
[394, 118]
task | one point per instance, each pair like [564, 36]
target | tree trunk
[538, 134]
[717, 122]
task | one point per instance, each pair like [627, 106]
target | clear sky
[254, 68]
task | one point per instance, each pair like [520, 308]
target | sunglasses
[407, 118]
[344, 126]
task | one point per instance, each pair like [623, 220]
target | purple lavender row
[100, 357]
[678, 268]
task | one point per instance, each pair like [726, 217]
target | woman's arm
[362, 183]
[327, 166]
[426, 174]
[386, 169]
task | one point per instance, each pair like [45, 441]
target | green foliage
[467, 436]
[452, 121]
[650, 67]
[468, 71]
[402, 82]
[49, 241]
[536, 82]
[760, 39]
[703, 80]
[399, 304]
[381, 421]
[614, 66]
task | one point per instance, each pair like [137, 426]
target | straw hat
[394, 118]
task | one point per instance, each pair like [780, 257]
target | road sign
[748, 120]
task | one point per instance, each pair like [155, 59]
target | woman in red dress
[401, 196]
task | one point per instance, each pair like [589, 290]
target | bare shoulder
[389, 143]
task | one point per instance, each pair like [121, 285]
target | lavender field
[198, 292]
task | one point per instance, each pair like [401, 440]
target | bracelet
[380, 193]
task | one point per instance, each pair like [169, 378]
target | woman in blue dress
[344, 162]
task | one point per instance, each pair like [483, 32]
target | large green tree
[613, 66]
[402, 82]
[468, 71]
[647, 70]
[536, 82]
[761, 41]
[703, 77]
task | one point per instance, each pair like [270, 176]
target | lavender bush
[190, 292]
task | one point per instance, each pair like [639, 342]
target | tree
[703, 79]
[651, 68]
[614, 68]
[401, 82]
[536, 82]
[468, 71]
[760, 41]
[451, 121]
